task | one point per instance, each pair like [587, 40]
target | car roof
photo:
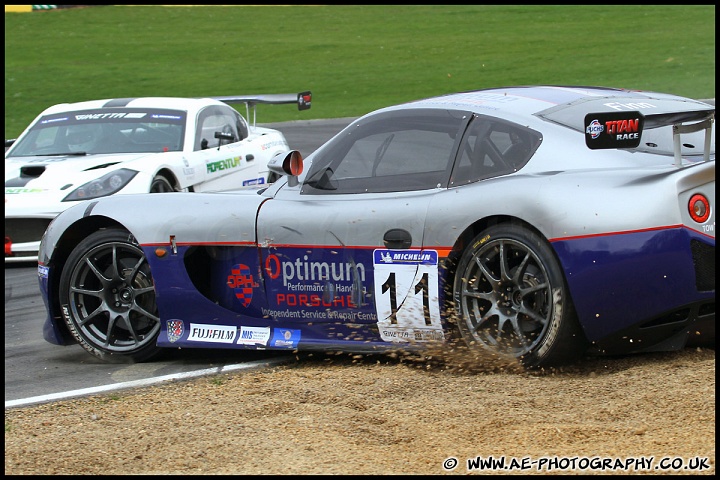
[174, 103]
[568, 105]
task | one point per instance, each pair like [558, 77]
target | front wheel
[510, 295]
[107, 295]
[160, 184]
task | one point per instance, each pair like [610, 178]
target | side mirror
[287, 163]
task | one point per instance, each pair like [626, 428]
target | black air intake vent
[704, 261]
[33, 171]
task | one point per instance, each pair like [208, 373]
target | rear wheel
[107, 295]
[510, 296]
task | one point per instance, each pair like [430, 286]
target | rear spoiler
[680, 129]
[302, 99]
[623, 129]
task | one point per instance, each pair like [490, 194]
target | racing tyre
[107, 295]
[510, 296]
[160, 184]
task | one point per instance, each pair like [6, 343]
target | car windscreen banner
[114, 115]
[613, 129]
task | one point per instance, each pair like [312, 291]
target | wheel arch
[64, 246]
[481, 224]
[474, 230]
[463, 242]
[170, 176]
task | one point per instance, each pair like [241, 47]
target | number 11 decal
[406, 298]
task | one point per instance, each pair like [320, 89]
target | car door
[222, 158]
[345, 244]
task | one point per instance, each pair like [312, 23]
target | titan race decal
[407, 296]
[396, 289]
[613, 130]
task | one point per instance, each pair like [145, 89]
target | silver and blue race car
[80, 151]
[539, 222]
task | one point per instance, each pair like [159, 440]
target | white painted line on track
[23, 402]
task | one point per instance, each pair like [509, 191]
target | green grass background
[354, 58]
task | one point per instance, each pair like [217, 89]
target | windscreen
[104, 131]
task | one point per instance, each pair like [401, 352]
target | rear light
[699, 208]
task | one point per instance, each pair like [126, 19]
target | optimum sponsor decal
[313, 284]
[301, 269]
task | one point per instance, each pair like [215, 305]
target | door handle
[249, 158]
[397, 239]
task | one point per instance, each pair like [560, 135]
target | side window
[213, 120]
[491, 147]
[391, 152]
[242, 127]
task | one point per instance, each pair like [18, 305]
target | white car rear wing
[302, 99]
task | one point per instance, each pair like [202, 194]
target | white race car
[86, 150]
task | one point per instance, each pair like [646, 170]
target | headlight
[106, 185]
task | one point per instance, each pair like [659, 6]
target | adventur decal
[225, 164]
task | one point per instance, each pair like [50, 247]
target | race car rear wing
[679, 129]
[624, 129]
[621, 121]
[302, 99]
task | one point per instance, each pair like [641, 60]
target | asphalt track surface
[39, 372]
